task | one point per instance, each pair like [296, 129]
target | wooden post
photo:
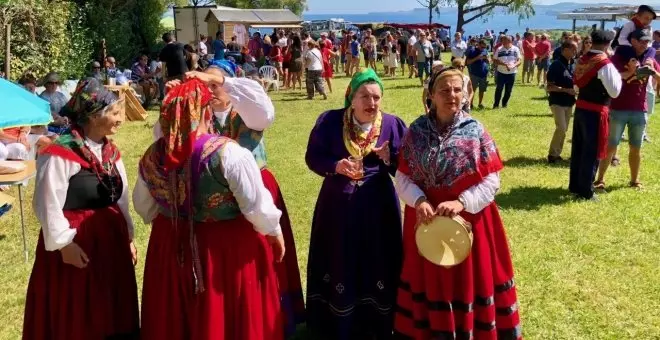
[7, 51]
[574, 20]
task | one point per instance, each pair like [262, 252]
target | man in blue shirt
[219, 47]
[478, 67]
[561, 97]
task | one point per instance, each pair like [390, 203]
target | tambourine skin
[445, 241]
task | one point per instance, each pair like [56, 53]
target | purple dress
[355, 251]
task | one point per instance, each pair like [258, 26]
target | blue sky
[363, 6]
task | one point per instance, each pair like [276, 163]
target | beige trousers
[562, 116]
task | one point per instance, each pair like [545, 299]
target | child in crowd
[426, 100]
[641, 20]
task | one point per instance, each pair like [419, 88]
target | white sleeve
[51, 186]
[158, 132]
[145, 205]
[251, 102]
[611, 79]
[407, 190]
[123, 200]
[254, 200]
[627, 28]
[479, 196]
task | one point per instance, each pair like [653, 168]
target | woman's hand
[449, 208]
[134, 254]
[74, 255]
[383, 152]
[346, 168]
[216, 78]
[424, 211]
[277, 242]
[172, 84]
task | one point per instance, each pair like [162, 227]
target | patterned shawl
[452, 159]
[587, 67]
[89, 98]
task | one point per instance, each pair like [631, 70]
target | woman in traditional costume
[450, 166]
[208, 271]
[242, 111]
[83, 284]
[355, 248]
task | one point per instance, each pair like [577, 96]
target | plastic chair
[270, 76]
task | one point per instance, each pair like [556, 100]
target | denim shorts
[636, 122]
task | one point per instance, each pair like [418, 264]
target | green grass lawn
[584, 270]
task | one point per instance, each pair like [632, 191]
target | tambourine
[445, 241]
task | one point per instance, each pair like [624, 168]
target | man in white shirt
[424, 55]
[507, 59]
[314, 71]
[458, 47]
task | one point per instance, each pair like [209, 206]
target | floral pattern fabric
[454, 158]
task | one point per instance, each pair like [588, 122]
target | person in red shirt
[529, 56]
[542, 51]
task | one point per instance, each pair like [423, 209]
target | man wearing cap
[629, 108]
[56, 99]
[598, 80]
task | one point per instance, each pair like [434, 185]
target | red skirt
[94, 303]
[288, 272]
[328, 72]
[241, 299]
[476, 297]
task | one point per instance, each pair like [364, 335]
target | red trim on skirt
[241, 300]
[475, 298]
[603, 124]
[288, 272]
[97, 302]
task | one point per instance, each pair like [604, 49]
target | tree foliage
[467, 12]
[432, 6]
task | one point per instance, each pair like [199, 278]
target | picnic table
[133, 109]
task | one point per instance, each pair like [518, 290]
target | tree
[524, 8]
[432, 6]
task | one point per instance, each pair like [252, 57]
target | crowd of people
[221, 261]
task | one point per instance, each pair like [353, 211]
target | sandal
[636, 185]
[615, 162]
[599, 185]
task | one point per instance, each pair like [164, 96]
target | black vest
[595, 92]
[86, 192]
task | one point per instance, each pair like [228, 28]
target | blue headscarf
[227, 66]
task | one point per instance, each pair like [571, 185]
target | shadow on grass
[531, 115]
[533, 198]
[2, 237]
[403, 87]
[540, 98]
[523, 161]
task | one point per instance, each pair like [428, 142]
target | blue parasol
[19, 107]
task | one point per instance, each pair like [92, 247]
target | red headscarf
[183, 109]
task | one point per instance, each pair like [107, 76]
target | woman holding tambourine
[449, 172]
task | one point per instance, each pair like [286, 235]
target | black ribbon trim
[505, 286]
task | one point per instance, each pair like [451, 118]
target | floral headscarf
[89, 98]
[183, 109]
[361, 77]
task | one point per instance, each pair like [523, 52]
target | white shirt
[508, 56]
[52, 183]
[203, 50]
[610, 77]
[476, 198]
[282, 42]
[249, 99]
[240, 32]
[313, 60]
[244, 178]
[628, 28]
[458, 48]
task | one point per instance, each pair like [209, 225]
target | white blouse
[52, 183]
[476, 198]
[244, 178]
[249, 99]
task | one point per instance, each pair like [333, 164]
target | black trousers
[584, 152]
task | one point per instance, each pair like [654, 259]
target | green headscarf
[361, 77]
